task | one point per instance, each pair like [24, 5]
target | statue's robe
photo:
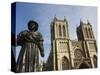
[28, 58]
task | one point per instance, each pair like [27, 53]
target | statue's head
[32, 25]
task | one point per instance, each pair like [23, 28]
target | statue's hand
[42, 54]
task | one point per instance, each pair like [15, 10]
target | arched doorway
[83, 66]
[65, 63]
[95, 60]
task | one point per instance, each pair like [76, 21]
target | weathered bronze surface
[31, 42]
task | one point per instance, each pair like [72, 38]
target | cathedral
[69, 54]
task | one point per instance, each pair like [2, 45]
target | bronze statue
[31, 42]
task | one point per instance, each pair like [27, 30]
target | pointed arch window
[90, 33]
[86, 30]
[65, 63]
[64, 31]
[95, 60]
[60, 34]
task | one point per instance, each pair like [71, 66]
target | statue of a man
[31, 42]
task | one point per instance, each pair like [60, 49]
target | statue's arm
[21, 37]
[40, 44]
[41, 48]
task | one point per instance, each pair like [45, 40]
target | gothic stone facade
[71, 54]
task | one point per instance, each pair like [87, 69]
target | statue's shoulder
[24, 32]
[39, 35]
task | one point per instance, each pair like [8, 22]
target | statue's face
[32, 27]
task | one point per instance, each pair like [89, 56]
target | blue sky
[44, 14]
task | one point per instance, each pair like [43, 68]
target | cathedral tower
[60, 44]
[85, 34]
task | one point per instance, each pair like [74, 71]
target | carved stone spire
[81, 22]
[65, 18]
[88, 22]
[55, 19]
